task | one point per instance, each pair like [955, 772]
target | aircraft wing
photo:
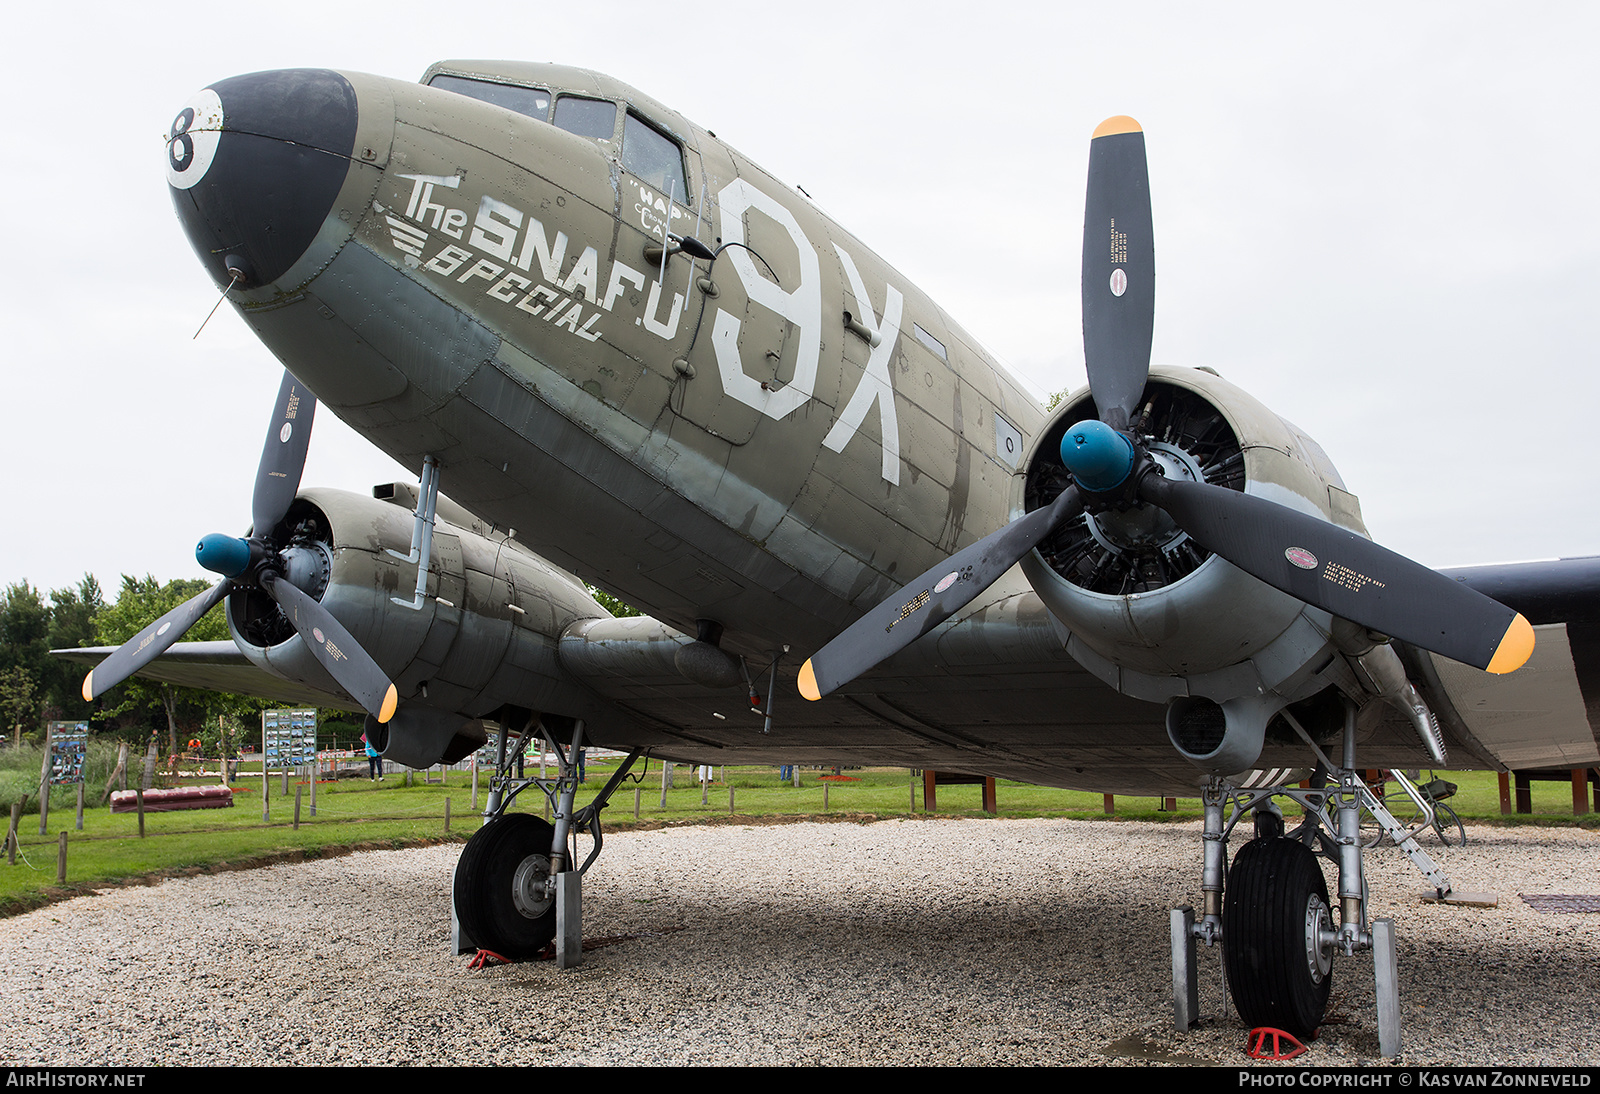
[217, 666]
[1543, 714]
[991, 691]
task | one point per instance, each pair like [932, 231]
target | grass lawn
[356, 812]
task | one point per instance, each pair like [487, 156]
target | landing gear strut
[1276, 926]
[516, 885]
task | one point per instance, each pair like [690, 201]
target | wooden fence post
[44, 783]
[61, 861]
[120, 769]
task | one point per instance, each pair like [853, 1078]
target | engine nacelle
[1152, 613]
[484, 637]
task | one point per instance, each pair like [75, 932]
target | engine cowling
[484, 637]
[1152, 613]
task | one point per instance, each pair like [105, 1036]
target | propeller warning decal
[910, 606]
[1347, 578]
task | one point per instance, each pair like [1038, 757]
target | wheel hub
[529, 893]
[1319, 925]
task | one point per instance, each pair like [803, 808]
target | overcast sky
[1380, 219]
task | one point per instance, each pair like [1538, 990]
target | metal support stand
[1386, 975]
[1185, 975]
[569, 919]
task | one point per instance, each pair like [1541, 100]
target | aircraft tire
[1278, 975]
[506, 855]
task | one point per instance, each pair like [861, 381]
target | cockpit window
[532, 101]
[653, 157]
[592, 118]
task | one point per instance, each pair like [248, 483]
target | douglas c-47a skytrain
[615, 347]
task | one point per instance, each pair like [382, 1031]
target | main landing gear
[1277, 924]
[516, 886]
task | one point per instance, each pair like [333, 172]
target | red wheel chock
[1258, 1044]
[484, 959]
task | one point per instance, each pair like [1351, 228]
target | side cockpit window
[592, 118]
[533, 102]
[653, 158]
[648, 154]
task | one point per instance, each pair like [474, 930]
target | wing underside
[217, 666]
[994, 692]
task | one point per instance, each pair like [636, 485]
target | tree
[30, 628]
[24, 629]
[19, 704]
[612, 604]
[72, 624]
[24, 654]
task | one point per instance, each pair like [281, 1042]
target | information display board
[69, 743]
[289, 738]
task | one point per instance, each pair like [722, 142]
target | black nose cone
[255, 163]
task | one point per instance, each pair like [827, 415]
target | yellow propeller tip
[391, 700]
[1515, 647]
[1119, 124]
[88, 687]
[808, 682]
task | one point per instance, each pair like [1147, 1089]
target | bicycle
[1446, 823]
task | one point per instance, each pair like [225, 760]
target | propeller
[260, 562]
[1302, 555]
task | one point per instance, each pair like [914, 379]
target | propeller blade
[1119, 270]
[283, 455]
[336, 649]
[152, 642]
[1341, 572]
[931, 599]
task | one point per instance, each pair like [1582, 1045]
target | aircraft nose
[255, 163]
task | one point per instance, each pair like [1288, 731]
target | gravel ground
[899, 942]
